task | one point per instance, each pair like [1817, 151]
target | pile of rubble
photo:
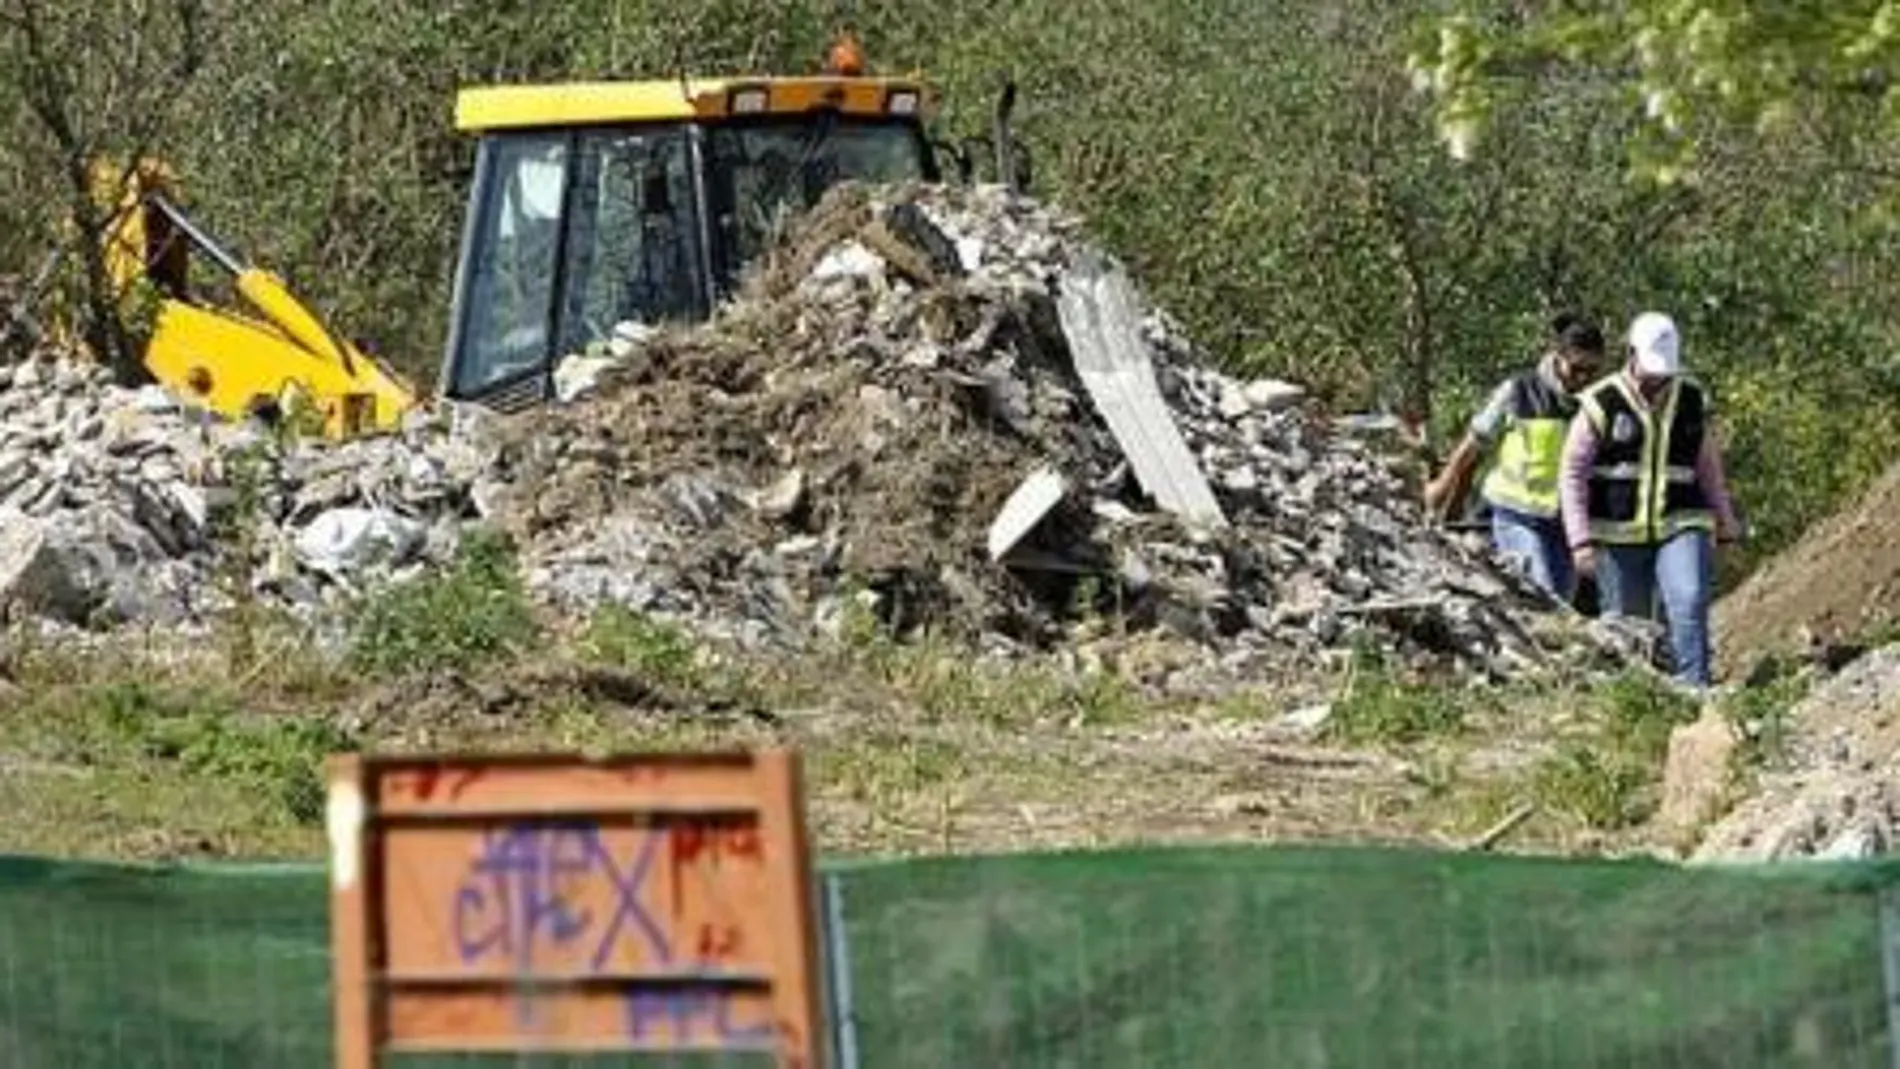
[1831, 785]
[120, 506]
[937, 408]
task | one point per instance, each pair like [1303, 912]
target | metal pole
[844, 1020]
[1889, 904]
[224, 257]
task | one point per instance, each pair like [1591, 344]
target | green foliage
[1760, 710]
[1379, 705]
[1605, 778]
[1639, 709]
[1684, 68]
[1603, 789]
[206, 734]
[237, 528]
[473, 614]
[658, 650]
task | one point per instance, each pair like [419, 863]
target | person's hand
[1435, 493]
[1585, 559]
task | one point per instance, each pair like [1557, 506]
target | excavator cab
[598, 208]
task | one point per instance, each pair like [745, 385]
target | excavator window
[511, 278]
[762, 171]
[579, 231]
[631, 256]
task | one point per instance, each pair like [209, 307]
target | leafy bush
[474, 613]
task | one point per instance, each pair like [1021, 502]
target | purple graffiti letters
[689, 1011]
[628, 906]
[511, 900]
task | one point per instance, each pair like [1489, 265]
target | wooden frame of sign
[541, 903]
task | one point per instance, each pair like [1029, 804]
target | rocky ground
[1831, 785]
[842, 440]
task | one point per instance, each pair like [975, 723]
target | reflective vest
[1524, 478]
[1643, 486]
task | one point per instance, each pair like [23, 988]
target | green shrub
[475, 613]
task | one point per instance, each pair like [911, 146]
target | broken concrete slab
[1031, 502]
[1097, 305]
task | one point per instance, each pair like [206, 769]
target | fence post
[1889, 899]
[843, 1011]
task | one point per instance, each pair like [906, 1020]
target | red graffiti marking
[692, 843]
[463, 781]
[720, 942]
[423, 782]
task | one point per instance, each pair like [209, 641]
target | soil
[1839, 580]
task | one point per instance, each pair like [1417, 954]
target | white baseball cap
[1657, 344]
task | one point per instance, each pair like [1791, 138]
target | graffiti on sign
[517, 895]
[693, 1016]
[562, 904]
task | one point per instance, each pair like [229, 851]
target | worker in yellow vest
[1645, 498]
[1525, 419]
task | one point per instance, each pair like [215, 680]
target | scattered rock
[1308, 719]
[1829, 790]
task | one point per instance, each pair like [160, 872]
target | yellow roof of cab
[599, 103]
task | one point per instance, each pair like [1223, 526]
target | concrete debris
[1031, 502]
[848, 436]
[1831, 786]
[119, 506]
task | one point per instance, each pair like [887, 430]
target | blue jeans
[1683, 570]
[1537, 543]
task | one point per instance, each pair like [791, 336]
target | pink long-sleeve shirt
[1580, 452]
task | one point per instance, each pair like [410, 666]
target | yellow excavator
[274, 351]
[594, 207]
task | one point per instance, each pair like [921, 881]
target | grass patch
[660, 651]
[1760, 712]
[1606, 777]
[206, 735]
[1379, 705]
[473, 614]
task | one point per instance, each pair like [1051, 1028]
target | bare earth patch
[1840, 579]
[147, 752]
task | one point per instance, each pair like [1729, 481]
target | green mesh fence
[1284, 958]
[1309, 958]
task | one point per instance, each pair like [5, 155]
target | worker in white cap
[1645, 498]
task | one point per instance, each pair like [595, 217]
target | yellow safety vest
[1524, 478]
[1643, 486]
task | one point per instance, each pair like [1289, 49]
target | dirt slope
[1844, 575]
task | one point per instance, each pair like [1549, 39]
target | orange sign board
[539, 903]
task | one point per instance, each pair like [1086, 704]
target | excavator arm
[274, 349]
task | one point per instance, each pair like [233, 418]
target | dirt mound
[1843, 576]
